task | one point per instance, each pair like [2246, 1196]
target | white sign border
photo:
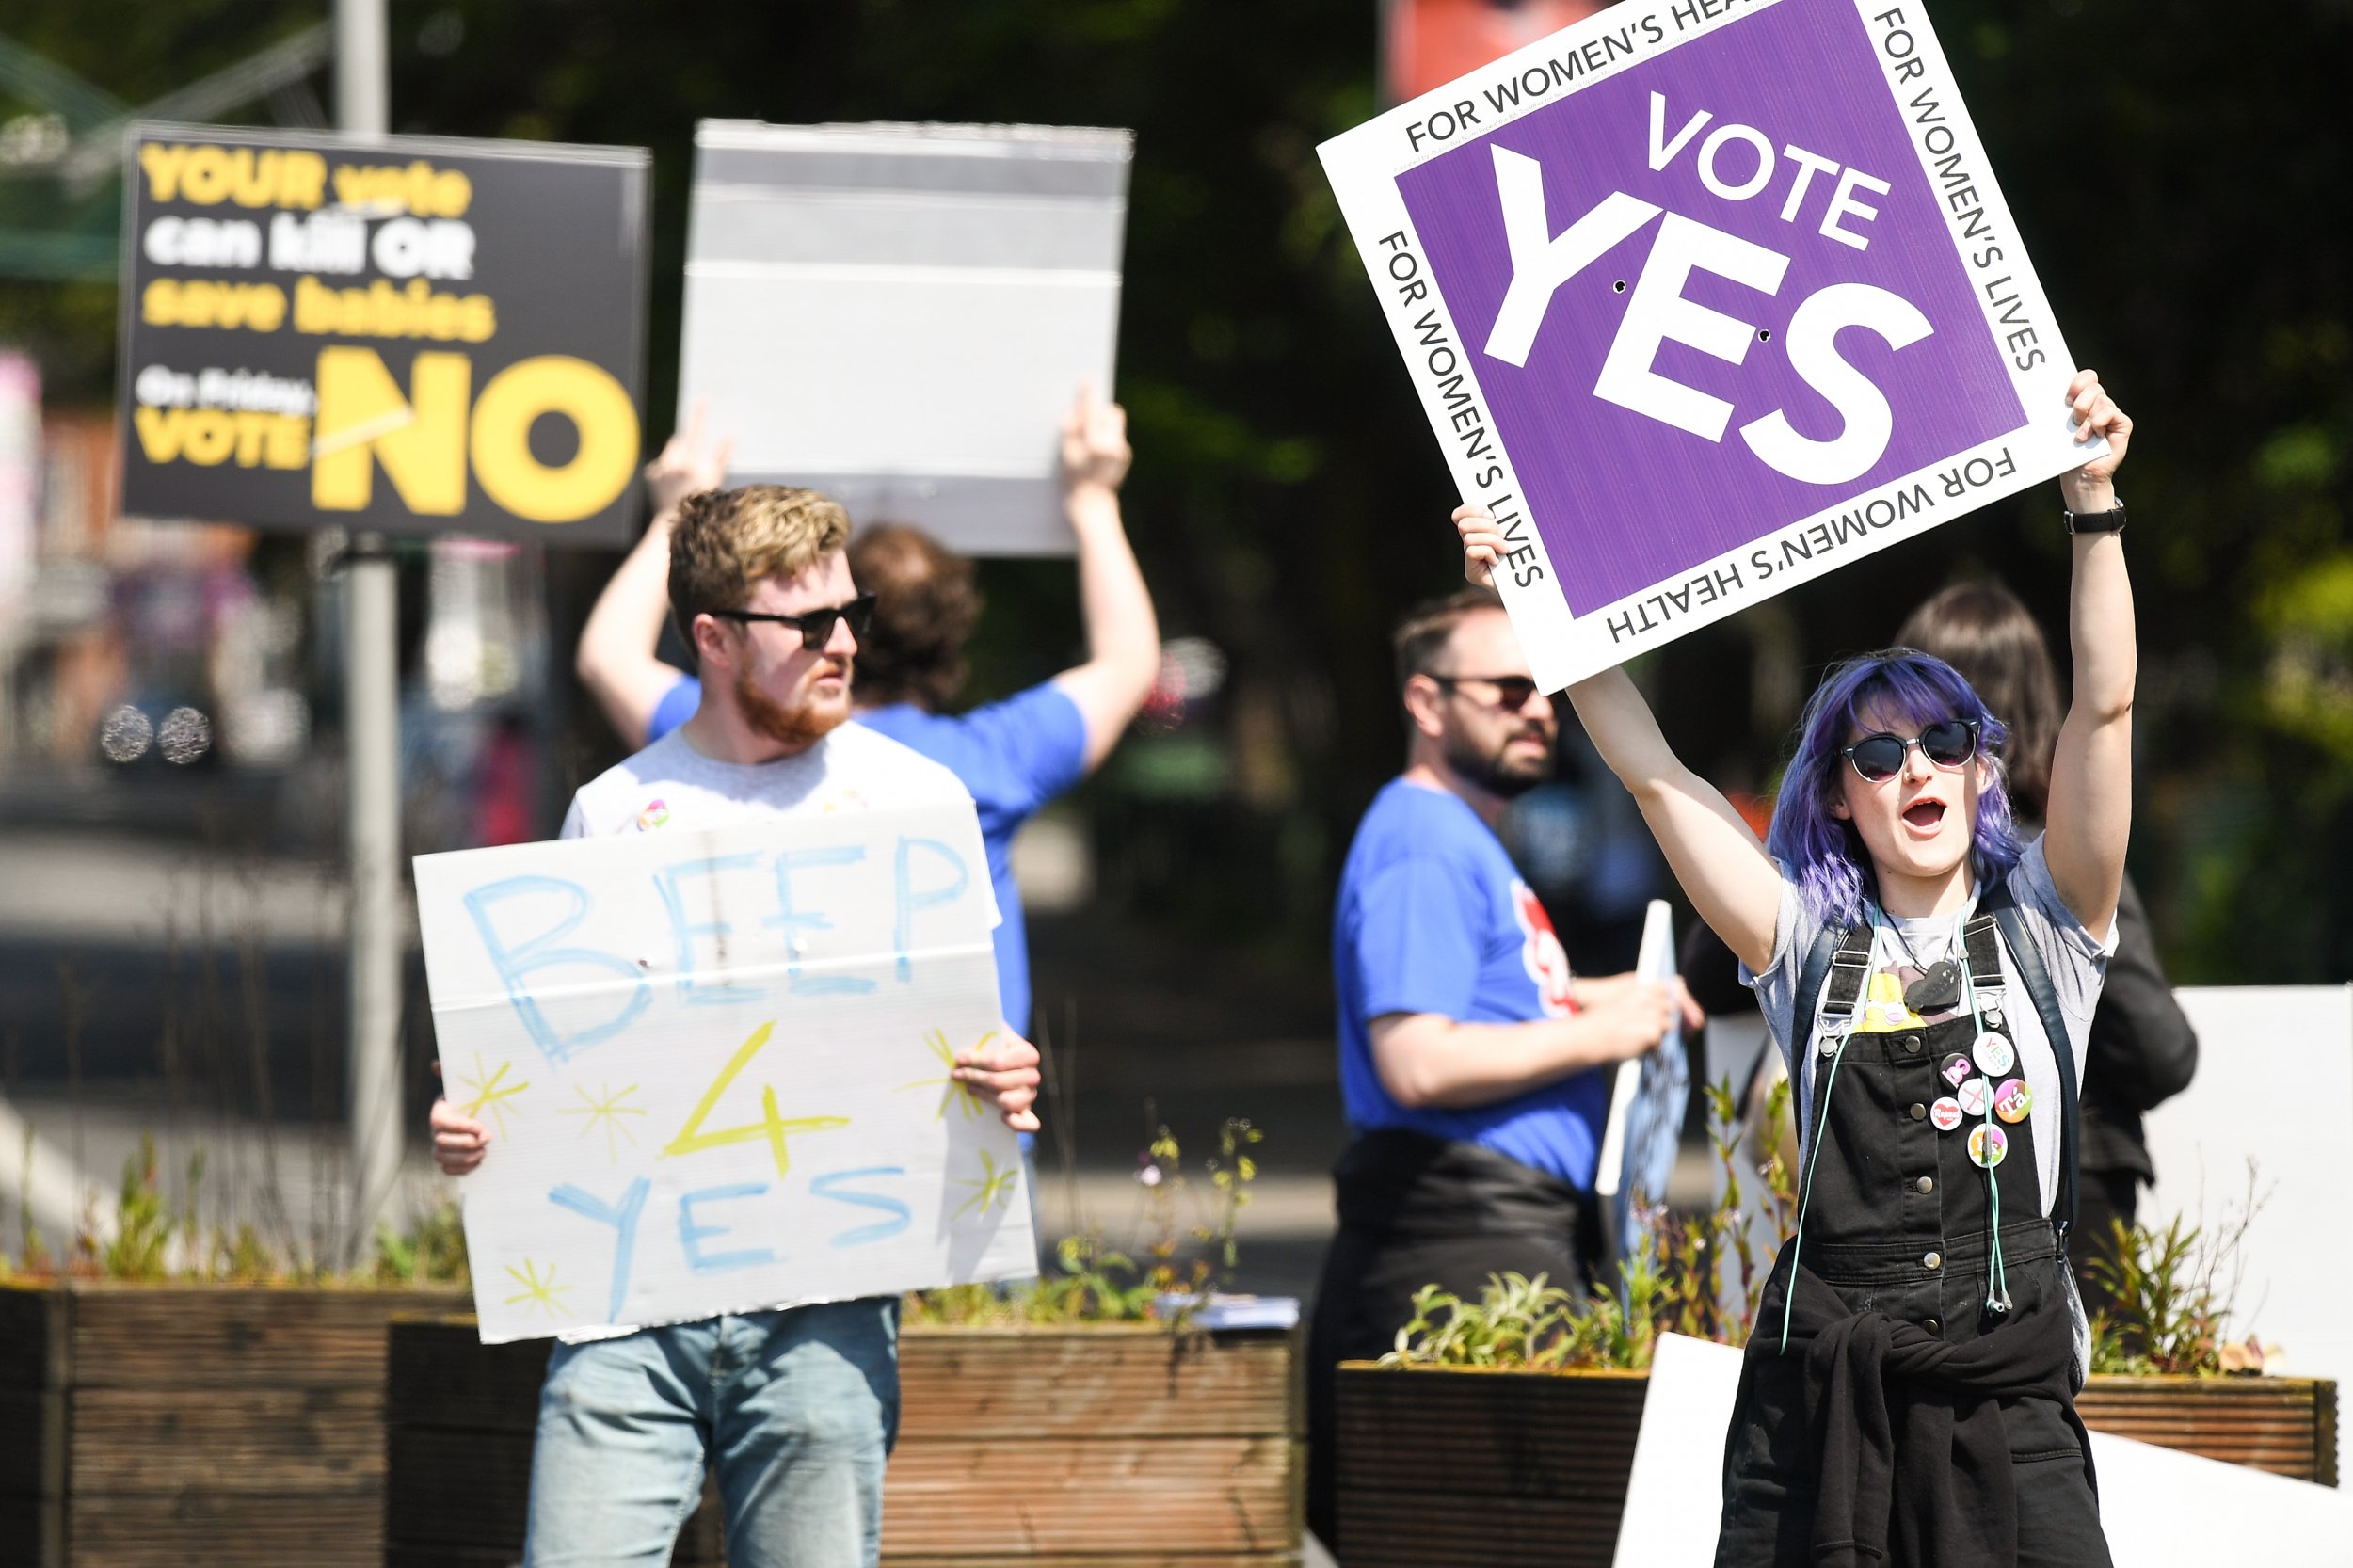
[1363, 166]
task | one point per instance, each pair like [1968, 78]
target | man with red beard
[1473, 1071]
[795, 1408]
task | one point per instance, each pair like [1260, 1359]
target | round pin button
[1975, 1095]
[1957, 1069]
[1945, 1113]
[1994, 1054]
[2013, 1100]
[1989, 1145]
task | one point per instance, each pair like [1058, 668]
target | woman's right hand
[460, 1141]
[1482, 543]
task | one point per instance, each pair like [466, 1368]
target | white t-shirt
[671, 784]
[2075, 960]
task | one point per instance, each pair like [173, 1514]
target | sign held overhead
[900, 315]
[1705, 298]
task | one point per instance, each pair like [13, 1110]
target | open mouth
[1925, 815]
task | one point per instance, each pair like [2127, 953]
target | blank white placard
[899, 315]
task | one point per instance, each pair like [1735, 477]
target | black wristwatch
[2110, 521]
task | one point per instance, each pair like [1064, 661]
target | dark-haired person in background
[2142, 1051]
[1471, 1064]
[1014, 756]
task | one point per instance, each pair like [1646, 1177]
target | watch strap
[2110, 521]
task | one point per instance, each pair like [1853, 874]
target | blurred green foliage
[2173, 170]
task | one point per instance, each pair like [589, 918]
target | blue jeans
[797, 1409]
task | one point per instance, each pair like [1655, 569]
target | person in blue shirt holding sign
[1014, 756]
[1473, 1069]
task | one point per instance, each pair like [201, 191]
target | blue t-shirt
[1433, 917]
[1014, 756]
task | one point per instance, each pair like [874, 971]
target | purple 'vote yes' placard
[1705, 297]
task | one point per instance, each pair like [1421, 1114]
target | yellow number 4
[692, 1139]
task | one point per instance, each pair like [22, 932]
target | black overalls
[1905, 1425]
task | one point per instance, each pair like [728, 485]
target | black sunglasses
[1879, 758]
[1512, 691]
[816, 626]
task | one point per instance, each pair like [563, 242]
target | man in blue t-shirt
[1014, 756]
[1473, 1070]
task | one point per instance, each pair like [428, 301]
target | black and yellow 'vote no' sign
[413, 335]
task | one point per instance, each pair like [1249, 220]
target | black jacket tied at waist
[1914, 1461]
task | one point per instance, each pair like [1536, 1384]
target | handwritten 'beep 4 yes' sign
[714, 1068]
[1704, 299]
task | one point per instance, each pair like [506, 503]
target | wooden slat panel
[222, 1338]
[1199, 1493]
[32, 1532]
[457, 1488]
[1500, 1434]
[980, 1382]
[440, 1374]
[33, 1331]
[32, 1443]
[1388, 1530]
[438, 1516]
[263, 1439]
[192, 1530]
[2274, 1424]
[973, 1482]
[1129, 1558]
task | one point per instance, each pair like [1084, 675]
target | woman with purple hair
[1908, 1395]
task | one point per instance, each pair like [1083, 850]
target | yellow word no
[424, 437]
[692, 1139]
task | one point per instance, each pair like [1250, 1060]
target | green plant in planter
[2174, 1289]
[1095, 1283]
[432, 1252]
[1675, 1280]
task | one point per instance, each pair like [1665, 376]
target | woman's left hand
[2092, 487]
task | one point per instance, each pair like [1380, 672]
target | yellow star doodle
[958, 1093]
[490, 1092]
[609, 1112]
[537, 1290]
[993, 1187]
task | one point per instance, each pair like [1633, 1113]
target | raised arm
[1724, 871]
[2090, 813]
[615, 660]
[1123, 634]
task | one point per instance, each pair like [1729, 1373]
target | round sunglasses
[1879, 758]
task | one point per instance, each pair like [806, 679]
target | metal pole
[372, 729]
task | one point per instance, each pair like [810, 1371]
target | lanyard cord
[1997, 1274]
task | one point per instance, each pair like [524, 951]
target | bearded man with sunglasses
[794, 1407]
[1473, 1069]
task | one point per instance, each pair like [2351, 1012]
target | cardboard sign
[412, 335]
[1705, 298]
[714, 1067]
[899, 315]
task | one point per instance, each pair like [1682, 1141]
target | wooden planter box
[1080, 1447]
[1469, 1469]
[162, 1426]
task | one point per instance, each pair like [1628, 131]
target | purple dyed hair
[1825, 855]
